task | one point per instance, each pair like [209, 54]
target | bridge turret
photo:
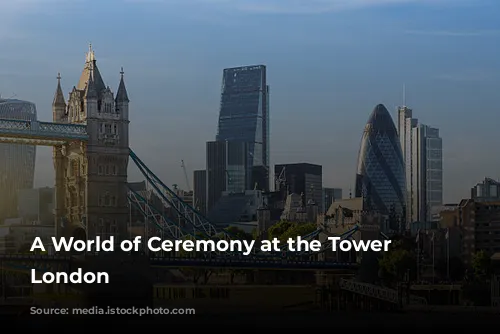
[59, 104]
[121, 101]
[91, 99]
[92, 179]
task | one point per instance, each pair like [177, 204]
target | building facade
[380, 177]
[488, 190]
[200, 190]
[330, 195]
[244, 115]
[17, 161]
[227, 169]
[302, 178]
[406, 123]
[422, 150]
[427, 172]
[36, 205]
[479, 225]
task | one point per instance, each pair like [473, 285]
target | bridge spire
[59, 96]
[121, 94]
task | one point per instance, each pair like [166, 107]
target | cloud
[296, 6]
[445, 33]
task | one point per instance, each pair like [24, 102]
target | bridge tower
[91, 177]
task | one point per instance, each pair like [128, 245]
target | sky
[330, 62]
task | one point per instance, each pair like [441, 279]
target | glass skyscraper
[380, 177]
[244, 116]
[227, 169]
[422, 151]
[427, 172]
[17, 161]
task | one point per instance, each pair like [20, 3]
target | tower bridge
[90, 139]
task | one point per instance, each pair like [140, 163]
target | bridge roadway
[178, 262]
[40, 133]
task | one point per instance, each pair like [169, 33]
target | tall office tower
[427, 172]
[302, 178]
[380, 177]
[331, 195]
[405, 125]
[200, 190]
[228, 169]
[244, 116]
[17, 161]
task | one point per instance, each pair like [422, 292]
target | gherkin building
[380, 176]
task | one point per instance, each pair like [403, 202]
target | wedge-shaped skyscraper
[380, 177]
[17, 161]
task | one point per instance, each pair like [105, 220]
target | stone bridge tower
[91, 177]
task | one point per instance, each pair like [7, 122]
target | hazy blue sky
[329, 63]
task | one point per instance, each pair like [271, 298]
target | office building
[330, 195]
[380, 177]
[476, 225]
[427, 172]
[244, 116]
[36, 205]
[17, 161]
[200, 190]
[422, 153]
[227, 170]
[406, 123]
[488, 190]
[301, 178]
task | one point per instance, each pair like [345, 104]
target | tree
[481, 264]
[277, 230]
[255, 233]
[396, 263]
[284, 230]
[399, 260]
[298, 230]
[238, 233]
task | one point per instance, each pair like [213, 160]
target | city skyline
[337, 102]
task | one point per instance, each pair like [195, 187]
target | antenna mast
[404, 95]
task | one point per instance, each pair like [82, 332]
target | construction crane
[186, 175]
[279, 180]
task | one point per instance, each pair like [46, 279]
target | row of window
[107, 200]
[108, 169]
[106, 226]
[108, 128]
[108, 107]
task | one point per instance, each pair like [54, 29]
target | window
[115, 129]
[107, 128]
[107, 169]
[108, 107]
[114, 169]
[100, 170]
